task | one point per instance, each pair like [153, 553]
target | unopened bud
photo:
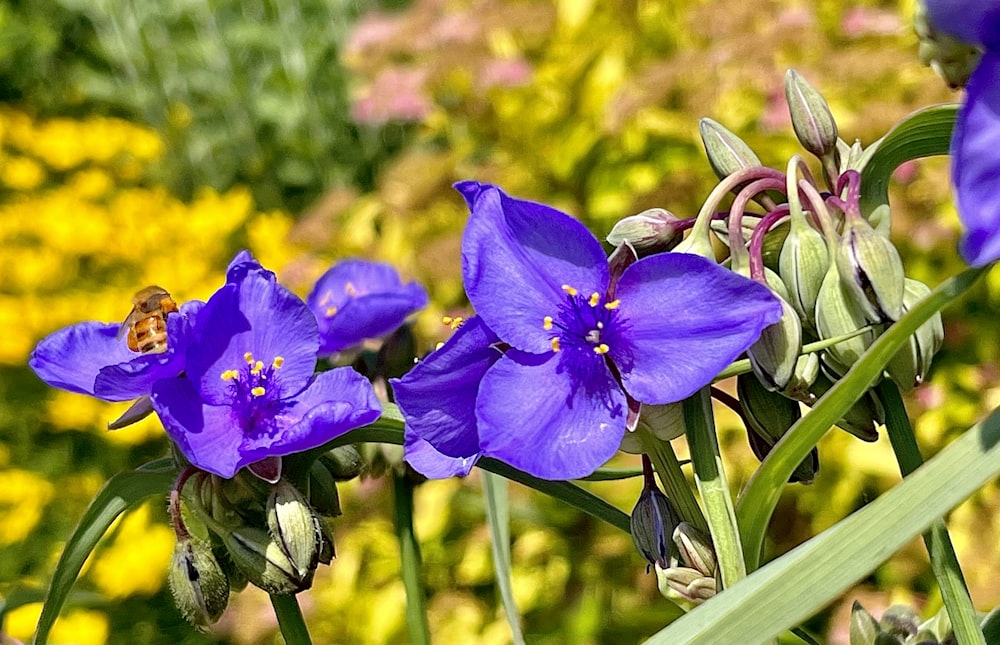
[327, 548]
[806, 371]
[323, 494]
[726, 152]
[910, 365]
[774, 355]
[769, 416]
[686, 585]
[952, 59]
[264, 562]
[344, 462]
[802, 265]
[837, 314]
[652, 525]
[665, 421]
[812, 120]
[863, 418]
[651, 231]
[198, 584]
[871, 271]
[695, 549]
[293, 525]
[865, 629]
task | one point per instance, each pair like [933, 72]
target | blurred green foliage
[369, 115]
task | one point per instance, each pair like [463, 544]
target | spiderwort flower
[249, 393]
[357, 299]
[975, 167]
[555, 403]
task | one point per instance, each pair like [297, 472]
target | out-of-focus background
[146, 142]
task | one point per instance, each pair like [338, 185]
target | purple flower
[577, 350]
[249, 394]
[355, 300]
[975, 166]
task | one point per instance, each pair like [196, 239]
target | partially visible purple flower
[555, 403]
[356, 300]
[249, 393]
[975, 166]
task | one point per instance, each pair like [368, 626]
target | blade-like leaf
[120, 493]
[798, 584]
[498, 518]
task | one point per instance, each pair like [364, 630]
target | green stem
[944, 562]
[290, 622]
[711, 480]
[675, 484]
[409, 552]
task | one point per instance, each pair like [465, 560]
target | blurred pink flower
[396, 94]
[504, 73]
[867, 21]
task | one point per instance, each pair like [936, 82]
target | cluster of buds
[899, 625]
[838, 276]
[231, 532]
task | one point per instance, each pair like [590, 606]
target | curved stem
[290, 621]
[675, 484]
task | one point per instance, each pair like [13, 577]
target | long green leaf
[122, 492]
[793, 587]
[760, 497]
[498, 519]
[410, 566]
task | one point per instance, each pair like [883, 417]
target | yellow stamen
[248, 357]
[230, 375]
[325, 299]
[257, 367]
[350, 290]
[330, 311]
[602, 349]
[446, 320]
[612, 305]
[594, 299]
[570, 290]
[547, 323]
[257, 391]
[439, 346]
[555, 344]
[277, 362]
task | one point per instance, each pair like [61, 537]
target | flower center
[253, 379]
[582, 322]
[331, 310]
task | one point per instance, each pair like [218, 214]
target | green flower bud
[652, 525]
[802, 265]
[685, 586]
[726, 152]
[327, 548]
[344, 462]
[695, 549]
[812, 120]
[953, 60]
[264, 562]
[665, 422]
[294, 526]
[651, 231]
[900, 621]
[806, 371]
[910, 365]
[323, 494]
[871, 271]
[774, 355]
[769, 416]
[864, 628]
[837, 314]
[198, 584]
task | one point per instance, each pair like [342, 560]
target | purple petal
[72, 357]
[517, 255]
[976, 22]
[683, 319]
[438, 396]
[241, 264]
[536, 415]
[356, 300]
[975, 165]
[259, 317]
[432, 464]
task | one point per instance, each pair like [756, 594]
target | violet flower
[356, 300]
[249, 394]
[975, 166]
[577, 349]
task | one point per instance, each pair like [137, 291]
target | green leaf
[924, 133]
[122, 492]
[409, 561]
[291, 624]
[498, 518]
[798, 584]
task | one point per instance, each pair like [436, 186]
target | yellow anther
[602, 349]
[555, 344]
[277, 362]
[547, 323]
[257, 367]
[326, 298]
[570, 290]
[330, 312]
[248, 357]
[612, 305]
[446, 320]
[594, 299]
[350, 290]
[439, 345]
[230, 375]
[257, 391]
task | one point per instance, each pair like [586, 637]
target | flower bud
[685, 585]
[864, 628]
[344, 462]
[652, 524]
[323, 494]
[910, 365]
[665, 422]
[774, 355]
[814, 125]
[695, 549]
[802, 265]
[198, 584]
[327, 548]
[726, 152]
[953, 60]
[837, 315]
[871, 271]
[264, 562]
[806, 371]
[651, 231]
[293, 525]
[769, 416]
[863, 418]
